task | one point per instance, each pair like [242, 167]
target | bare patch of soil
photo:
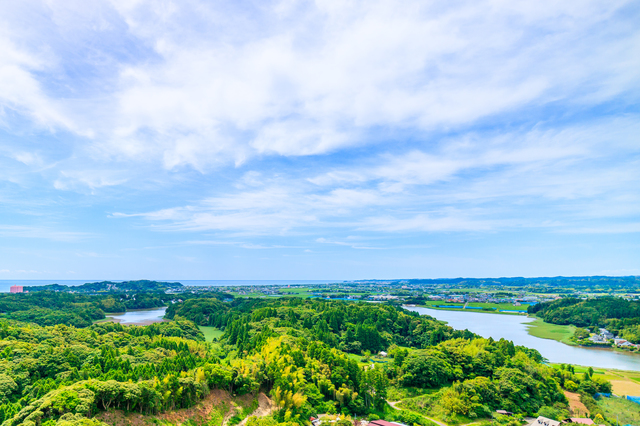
[199, 413]
[575, 405]
[265, 407]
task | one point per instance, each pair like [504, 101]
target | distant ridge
[110, 287]
[559, 281]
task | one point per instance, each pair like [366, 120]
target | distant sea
[6, 284]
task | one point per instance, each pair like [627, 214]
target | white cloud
[451, 222]
[420, 117]
[21, 90]
[543, 179]
[352, 244]
[623, 228]
[92, 179]
[543, 162]
[204, 84]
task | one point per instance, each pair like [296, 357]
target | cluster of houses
[488, 298]
[315, 421]
[543, 421]
[540, 421]
[605, 337]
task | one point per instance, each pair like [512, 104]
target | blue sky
[319, 140]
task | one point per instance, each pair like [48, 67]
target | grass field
[303, 292]
[561, 333]
[210, 332]
[627, 412]
[356, 357]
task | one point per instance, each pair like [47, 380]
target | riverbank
[489, 308]
[120, 321]
[545, 330]
[137, 316]
[536, 328]
[548, 338]
[563, 334]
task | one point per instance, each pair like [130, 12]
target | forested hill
[618, 315]
[138, 286]
[77, 309]
[351, 327]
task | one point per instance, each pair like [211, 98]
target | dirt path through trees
[265, 407]
[439, 423]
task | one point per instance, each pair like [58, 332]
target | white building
[543, 421]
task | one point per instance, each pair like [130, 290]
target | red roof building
[16, 289]
[581, 420]
[384, 423]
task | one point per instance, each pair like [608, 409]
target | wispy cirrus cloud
[49, 233]
[305, 79]
[540, 179]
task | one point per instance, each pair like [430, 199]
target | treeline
[597, 281]
[618, 315]
[138, 286]
[80, 310]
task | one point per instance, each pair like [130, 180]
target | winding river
[513, 327]
[510, 327]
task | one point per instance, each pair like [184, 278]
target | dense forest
[310, 356]
[618, 315]
[80, 310]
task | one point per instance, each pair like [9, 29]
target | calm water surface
[145, 316]
[513, 327]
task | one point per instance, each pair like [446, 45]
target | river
[140, 317]
[513, 327]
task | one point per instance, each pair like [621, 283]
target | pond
[140, 317]
[513, 327]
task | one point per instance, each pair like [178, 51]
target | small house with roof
[606, 334]
[543, 421]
